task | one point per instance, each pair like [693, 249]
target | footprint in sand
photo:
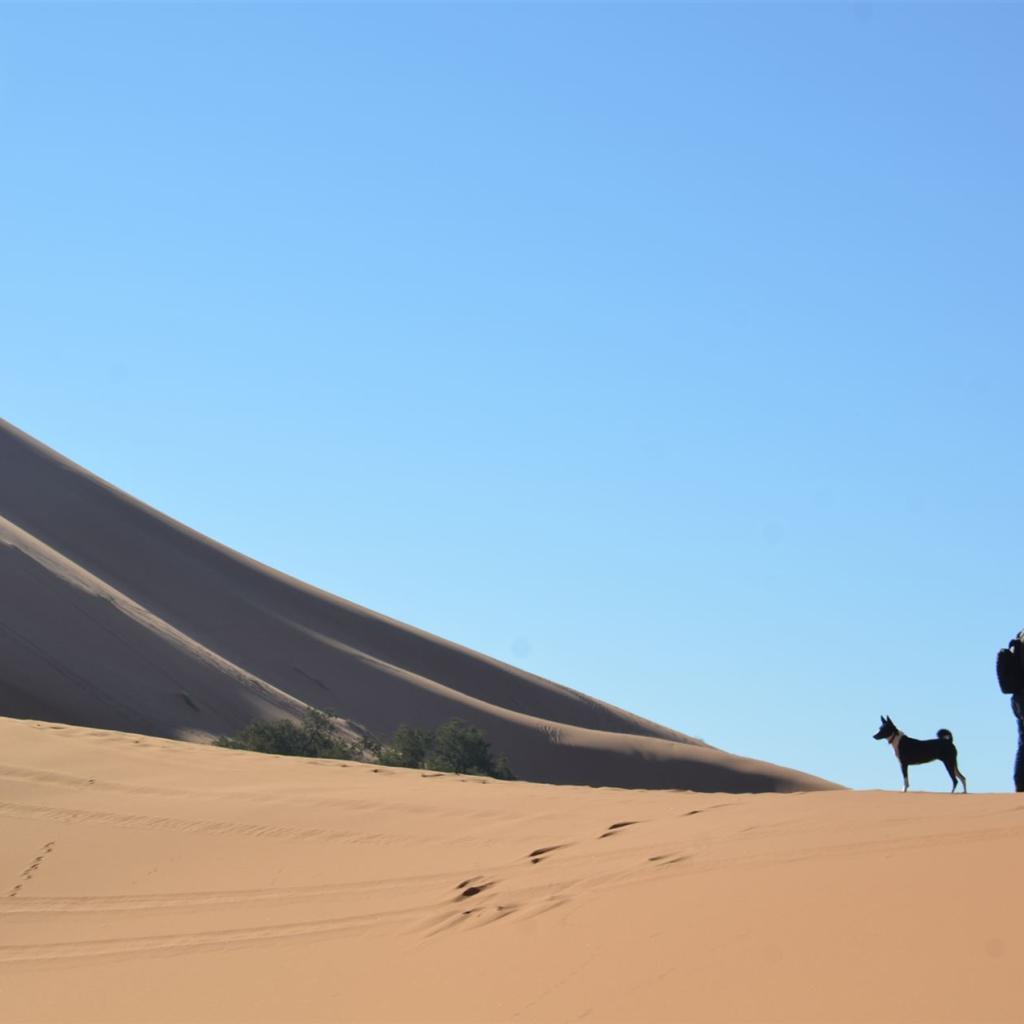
[27, 874]
[536, 856]
[473, 890]
[612, 829]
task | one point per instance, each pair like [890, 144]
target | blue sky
[670, 351]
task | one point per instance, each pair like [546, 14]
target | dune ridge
[115, 616]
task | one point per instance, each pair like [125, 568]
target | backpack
[1010, 666]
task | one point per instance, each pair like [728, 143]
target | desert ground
[146, 879]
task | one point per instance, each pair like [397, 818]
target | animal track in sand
[27, 874]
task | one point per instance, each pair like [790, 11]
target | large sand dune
[115, 616]
[148, 880]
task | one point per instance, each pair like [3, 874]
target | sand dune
[145, 880]
[115, 616]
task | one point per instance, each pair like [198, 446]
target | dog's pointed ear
[882, 717]
[888, 719]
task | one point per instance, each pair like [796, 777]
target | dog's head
[887, 729]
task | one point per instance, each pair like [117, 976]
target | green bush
[315, 736]
[408, 748]
[502, 769]
[460, 748]
[452, 747]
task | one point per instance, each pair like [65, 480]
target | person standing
[1010, 672]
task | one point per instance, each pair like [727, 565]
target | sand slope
[115, 616]
[150, 880]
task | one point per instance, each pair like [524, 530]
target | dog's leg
[906, 780]
[951, 768]
[963, 778]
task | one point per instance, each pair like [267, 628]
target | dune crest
[115, 616]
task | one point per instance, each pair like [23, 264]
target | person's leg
[1018, 768]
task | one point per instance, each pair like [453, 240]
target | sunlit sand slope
[145, 880]
[114, 616]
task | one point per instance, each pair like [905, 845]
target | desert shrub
[461, 748]
[408, 748]
[452, 747]
[315, 736]
[370, 746]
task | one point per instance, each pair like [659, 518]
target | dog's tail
[945, 734]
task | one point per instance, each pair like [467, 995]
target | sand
[145, 879]
[114, 616]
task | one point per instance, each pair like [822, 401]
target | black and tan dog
[910, 751]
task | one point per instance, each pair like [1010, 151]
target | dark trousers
[1017, 704]
[1018, 767]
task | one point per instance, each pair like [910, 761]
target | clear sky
[673, 352]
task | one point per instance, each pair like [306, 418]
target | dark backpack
[1010, 666]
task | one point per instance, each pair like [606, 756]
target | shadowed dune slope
[144, 880]
[115, 616]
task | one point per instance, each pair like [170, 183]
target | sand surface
[114, 616]
[144, 879]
